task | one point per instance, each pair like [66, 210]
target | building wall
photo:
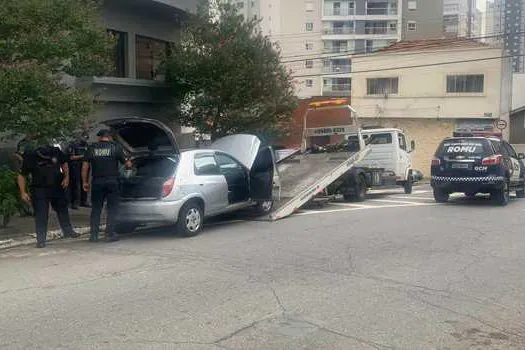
[518, 90]
[422, 91]
[428, 17]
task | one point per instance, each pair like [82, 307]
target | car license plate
[459, 165]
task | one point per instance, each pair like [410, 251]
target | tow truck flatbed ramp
[305, 175]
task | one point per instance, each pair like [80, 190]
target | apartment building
[318, 37]
[433, 89]
[507, 17]
[461, 18]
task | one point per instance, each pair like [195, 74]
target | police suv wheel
[501, 196]
[190, 220]
[441, 196]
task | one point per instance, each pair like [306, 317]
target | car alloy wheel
[193, 220]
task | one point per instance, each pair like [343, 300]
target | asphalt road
[396, 272]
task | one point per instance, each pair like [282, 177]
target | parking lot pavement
[396, 275]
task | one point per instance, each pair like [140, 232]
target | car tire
[502, 196]
[360, 189]
[441, 196]
[264, 207]
[408, 186]
[191, 219]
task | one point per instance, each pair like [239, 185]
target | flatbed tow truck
[313, 174]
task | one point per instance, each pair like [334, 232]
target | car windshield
[463, 147]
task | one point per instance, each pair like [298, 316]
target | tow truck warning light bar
[340, 102]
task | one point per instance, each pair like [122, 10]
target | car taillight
[492, 160]
[436, 162]
[167, 187]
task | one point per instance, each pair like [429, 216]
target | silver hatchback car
[167, 186]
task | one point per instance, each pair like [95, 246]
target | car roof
[491, 138]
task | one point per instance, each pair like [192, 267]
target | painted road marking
[312, 212]
[394, 201]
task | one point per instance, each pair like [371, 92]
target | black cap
[104, 133]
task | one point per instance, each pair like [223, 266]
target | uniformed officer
[49, 173]
[103, 157]
[77, 151]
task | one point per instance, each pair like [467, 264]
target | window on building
[309, 46]
[412, 26]
[119, 57]
[392, 27]
[309, 83]
[309, 64]
[336, 8]
[309, 26]
[253, 3]
[240, 5]
[465, 83]
[149, 55]
[382, 86]
[351, 8]
[412, 5]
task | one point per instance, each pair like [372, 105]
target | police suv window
[206, 165]
[510, 150]
[474, 148]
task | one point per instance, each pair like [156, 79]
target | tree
[41, 43]
[227, 77]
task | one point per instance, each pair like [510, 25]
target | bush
[9, 195]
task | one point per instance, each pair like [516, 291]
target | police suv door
[515, 164]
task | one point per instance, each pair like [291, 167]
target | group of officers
[46, 174]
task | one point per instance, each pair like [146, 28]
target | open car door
[258, 159]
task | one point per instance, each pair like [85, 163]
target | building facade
[409, 87]
[461, 18]
[143, 29]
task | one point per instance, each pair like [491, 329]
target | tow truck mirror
[521, 156]
[412, 145]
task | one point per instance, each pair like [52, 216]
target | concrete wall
[428, 17]
[518, 90]
[422, 91]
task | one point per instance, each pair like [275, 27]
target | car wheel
[360, 190]
[264, 207]
[501, 196]
[441, 196]
[191, 219]
[408, 186]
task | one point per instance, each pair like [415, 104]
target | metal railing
[344, 30]
[339, 12]
[381, 11]
[337, 87]
[380, 30]
[337, 69]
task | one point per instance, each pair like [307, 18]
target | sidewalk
[21, 230]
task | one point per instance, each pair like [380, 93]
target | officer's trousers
[42, 198]
[77, 194]
[104, 191]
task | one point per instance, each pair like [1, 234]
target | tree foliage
[228, 77]
[41, 43]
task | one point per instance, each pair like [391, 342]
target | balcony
[381, 9]
[338, 49]
[380, 30]
[337, 90]
[340, 30]
[337, 69]
[338, 12]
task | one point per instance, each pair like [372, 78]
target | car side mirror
[521, 156]
[412, 145]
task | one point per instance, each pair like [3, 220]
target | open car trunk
[147, 177]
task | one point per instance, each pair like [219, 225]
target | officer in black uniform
[103, 157]
[77, 151]
[49, 172]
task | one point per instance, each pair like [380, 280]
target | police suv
[473, 165]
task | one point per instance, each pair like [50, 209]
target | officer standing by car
[77, 151]
[103, 157]
[49, 172]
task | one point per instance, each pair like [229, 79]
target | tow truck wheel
[501, 196]
[408, 186]
[440, 196]
[360, 189]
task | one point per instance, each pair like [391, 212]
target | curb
[52, 235]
